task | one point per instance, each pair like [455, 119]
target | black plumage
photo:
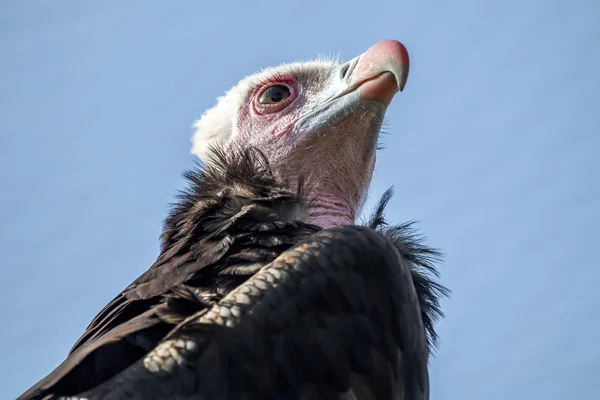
[324, 311]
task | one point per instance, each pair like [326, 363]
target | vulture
[266, 287]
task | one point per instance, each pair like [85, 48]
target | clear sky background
[493, 146]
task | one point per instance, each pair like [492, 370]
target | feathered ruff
[423, 260]
[220, 190]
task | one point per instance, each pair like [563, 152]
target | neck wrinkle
[328, 204]
[329, 210]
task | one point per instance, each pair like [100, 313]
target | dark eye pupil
[276, 96]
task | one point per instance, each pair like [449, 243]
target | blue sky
[493, 146]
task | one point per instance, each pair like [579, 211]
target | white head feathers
[217, 125]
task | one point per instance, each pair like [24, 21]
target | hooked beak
[380, 72]
[375, 76]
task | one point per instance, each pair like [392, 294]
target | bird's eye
[274, 94]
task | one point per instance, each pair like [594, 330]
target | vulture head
[318, 121]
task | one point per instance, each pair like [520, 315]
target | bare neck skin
[329, 210]
[335, 184]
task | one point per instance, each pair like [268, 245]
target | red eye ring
[288, 89]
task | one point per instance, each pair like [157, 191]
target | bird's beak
[373, 77]
[379, 73]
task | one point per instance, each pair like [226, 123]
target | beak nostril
[344, 71]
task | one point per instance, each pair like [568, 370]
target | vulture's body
[257, 292]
